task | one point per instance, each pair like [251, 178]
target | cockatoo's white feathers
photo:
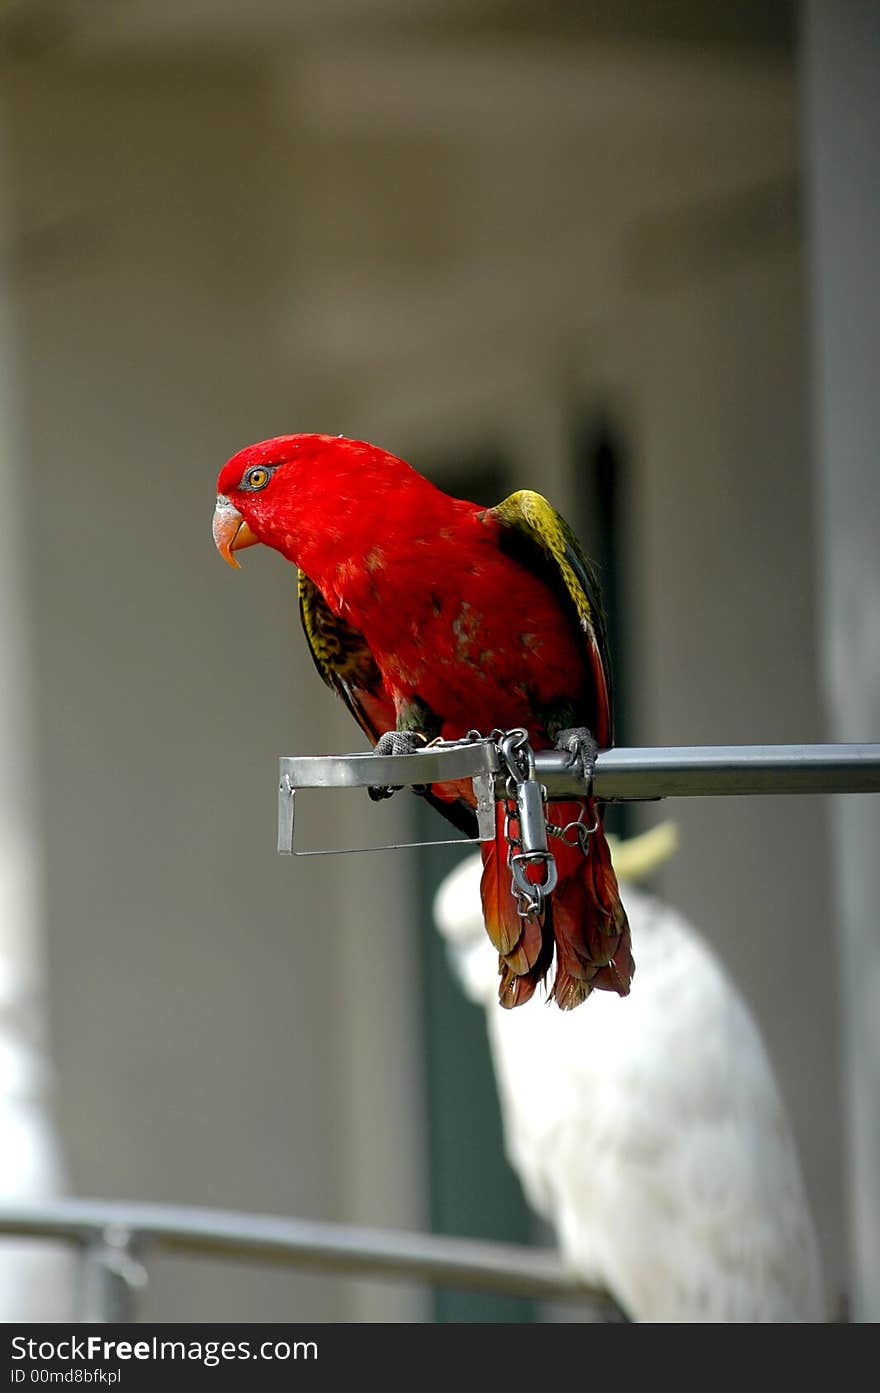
[650, 1131]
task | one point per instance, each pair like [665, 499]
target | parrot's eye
[255, 478]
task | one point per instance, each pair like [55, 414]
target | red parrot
[433, 616]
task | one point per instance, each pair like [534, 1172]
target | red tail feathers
[584, 921]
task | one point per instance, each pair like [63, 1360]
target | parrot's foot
[581, 745]
[395, 742]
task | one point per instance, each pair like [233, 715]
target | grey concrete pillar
[841, 57]
[35, 1282]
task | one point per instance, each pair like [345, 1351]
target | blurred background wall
[466, 232]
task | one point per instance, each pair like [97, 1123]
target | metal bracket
[447, 761]
[112, 1274]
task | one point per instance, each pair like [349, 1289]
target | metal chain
[524, 806]
[524, 810]
[575, 833]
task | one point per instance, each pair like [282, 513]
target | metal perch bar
[464, 1263]
[621, 774]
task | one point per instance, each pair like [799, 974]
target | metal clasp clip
[527, 847]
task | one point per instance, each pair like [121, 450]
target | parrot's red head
[297, 493]
[242, 480]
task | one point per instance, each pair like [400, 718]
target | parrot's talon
[377, 792]
[395, 742]
[580, 743]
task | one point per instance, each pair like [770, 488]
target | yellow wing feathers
[530, 515]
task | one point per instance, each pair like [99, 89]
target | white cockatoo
[650, 1132]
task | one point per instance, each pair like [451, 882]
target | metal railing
[619, 775]
[116, 1238]
[648, 772]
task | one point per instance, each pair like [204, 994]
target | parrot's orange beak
[231, 532]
